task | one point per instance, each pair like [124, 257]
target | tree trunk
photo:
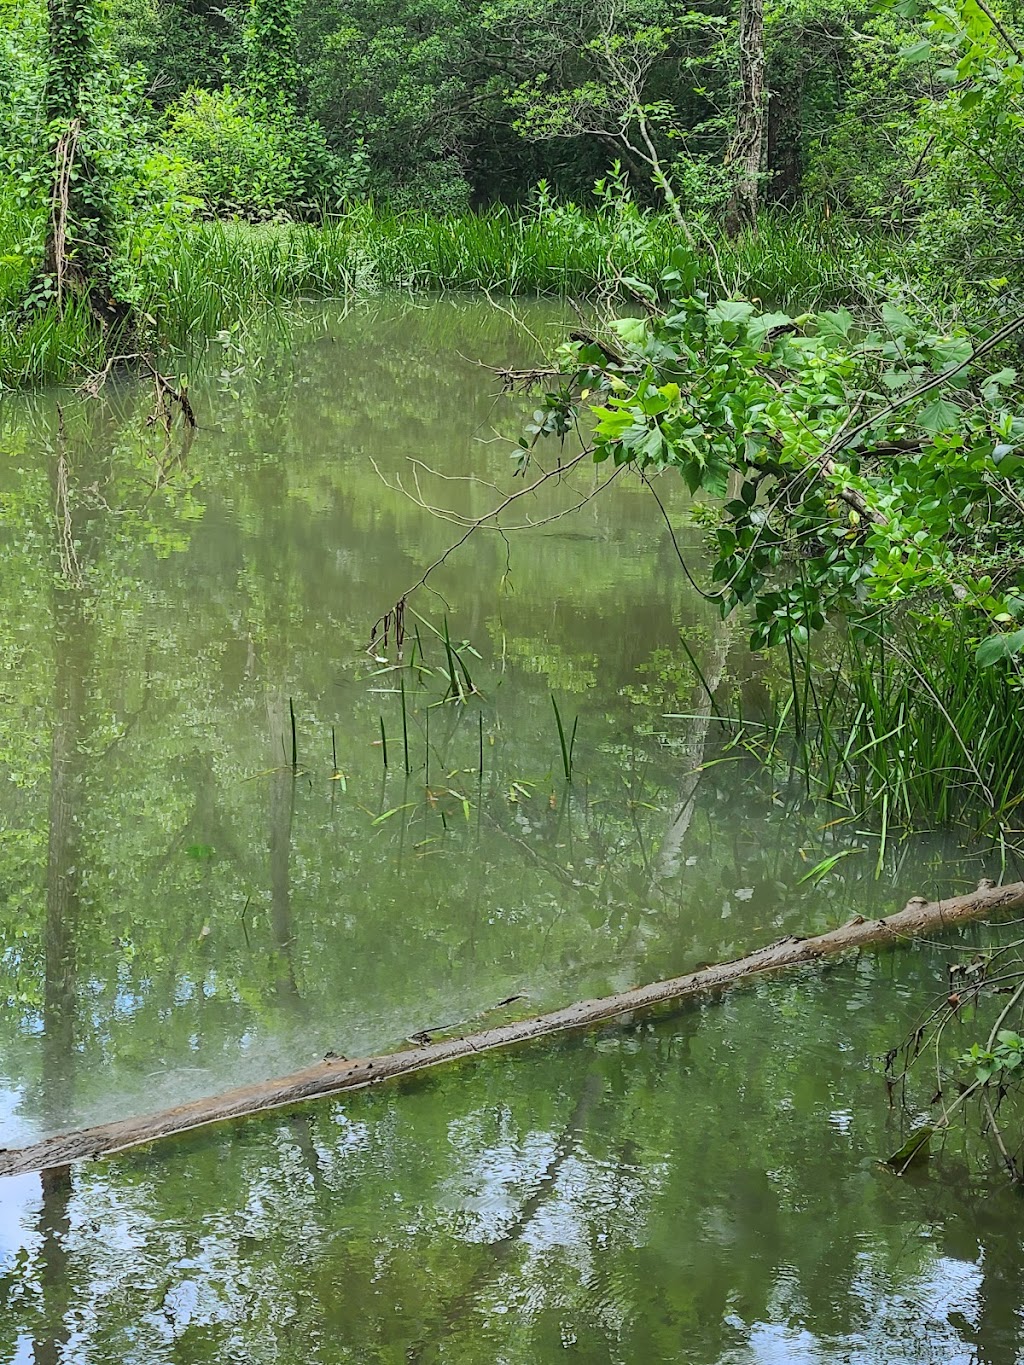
[747, 149]
[333, 1076]
[79, 237]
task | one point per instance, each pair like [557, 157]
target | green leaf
[652, 447]
[939, 415]
[837, 324]
[1004, 376]
[917, 52]
[765, 323]
[633, 331]
[640, 287]
[613, 422]
[898, 323]
[992, 387]
[953, 352]
[731, 310]
[716, 479]
[997, 647]
[409, 805]
[826, 865]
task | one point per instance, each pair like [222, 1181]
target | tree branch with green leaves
[846, 468]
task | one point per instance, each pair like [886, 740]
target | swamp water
[181, 910]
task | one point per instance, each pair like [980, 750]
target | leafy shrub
[702, 184]
[242, 158]
[970, 241]
[136, 188]
[21, 100]
[438, 188]
[865, 158]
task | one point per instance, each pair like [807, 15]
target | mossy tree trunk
[80, 233]
[747, 150]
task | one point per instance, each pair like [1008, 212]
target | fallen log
[339, 1074]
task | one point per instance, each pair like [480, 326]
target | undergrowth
[209, 275]
[900, 727]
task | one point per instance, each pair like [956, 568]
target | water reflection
[597, 1197]
[185, 907]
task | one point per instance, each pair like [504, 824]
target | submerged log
[333, 1076]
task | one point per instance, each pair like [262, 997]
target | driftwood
[339, 1074]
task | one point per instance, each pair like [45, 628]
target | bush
[438, 188]
[244, 159]
[867, 155]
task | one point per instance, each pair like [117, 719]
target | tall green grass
[217, 266]
[902, 726]
[35, 347]
[204, 277]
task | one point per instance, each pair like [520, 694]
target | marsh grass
[904, 728]
[566, 747]
[205, 277]
[218, 266]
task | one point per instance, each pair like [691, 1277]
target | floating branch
[334, 1076]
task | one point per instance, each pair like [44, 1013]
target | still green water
[182, 910]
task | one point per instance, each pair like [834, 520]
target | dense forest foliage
[898, 117]
[166, 163]
[809, 216]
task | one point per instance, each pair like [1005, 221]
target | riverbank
[203, 277]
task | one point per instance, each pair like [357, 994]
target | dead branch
[165, 393]
[460, 519]
[334, 1076]
[524, 380]
[513, 380]
[67, 145]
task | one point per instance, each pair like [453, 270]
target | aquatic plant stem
[331, 1077]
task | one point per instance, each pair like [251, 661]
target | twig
[475, 525]
[163, 389]
[994, 1129]
[67, 145]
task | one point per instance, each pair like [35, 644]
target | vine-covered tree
[272, 71]
[746, 151]
[80, 231]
